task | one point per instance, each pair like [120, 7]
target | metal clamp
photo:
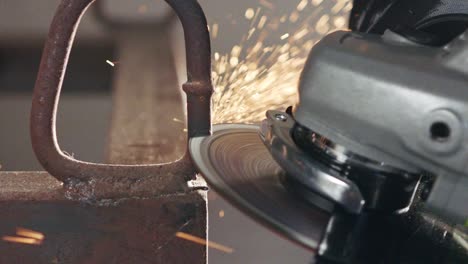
[49, 83]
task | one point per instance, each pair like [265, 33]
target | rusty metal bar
[48, 85]
[29, 186]
[128, 230]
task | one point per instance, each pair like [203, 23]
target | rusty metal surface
[48, 85]
[107, 231]
[30, 186]
[126, 230]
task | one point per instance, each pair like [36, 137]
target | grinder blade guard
[315, 164]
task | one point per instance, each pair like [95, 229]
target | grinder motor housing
[396, 102]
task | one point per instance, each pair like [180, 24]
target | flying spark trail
[221, 214]
[202, 241]
[25, 236]
[110, 63]
[29, 233]
[21, 240]
[257, 76]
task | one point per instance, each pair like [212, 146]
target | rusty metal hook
[49, 83]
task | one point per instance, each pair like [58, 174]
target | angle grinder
[370, 165]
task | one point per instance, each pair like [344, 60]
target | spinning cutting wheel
[236, 163]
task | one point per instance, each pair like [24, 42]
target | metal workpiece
[30, 186]
[393, 102]
[235, 162]
[49, 81]
[127, 230]
[198, 112]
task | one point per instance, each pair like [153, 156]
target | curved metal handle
[52, 71]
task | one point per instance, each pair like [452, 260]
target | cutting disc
[238, 166]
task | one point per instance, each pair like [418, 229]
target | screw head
[442, 131]
[281, 117]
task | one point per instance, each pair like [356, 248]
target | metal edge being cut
[235, 162]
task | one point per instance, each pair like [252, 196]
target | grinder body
[396, 102]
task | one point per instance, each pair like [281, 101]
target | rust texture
[143, 131]
[113, 213]
[27, 186]
[108, 231]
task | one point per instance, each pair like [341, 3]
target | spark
[21, 240]
[267, 4]
[233, 61]
[214, 31]
[339, 22]
[236, 50]
[262, 22]
[348, 7]
[178, 120]
[110, 63]
[317, 2]
[256, 75]
[25, 236]
[249, 13]
[340, 4]
[221, 214]
[294, 17]
[205, 242]
[302, 5]
[322, 25]
[29, 233]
